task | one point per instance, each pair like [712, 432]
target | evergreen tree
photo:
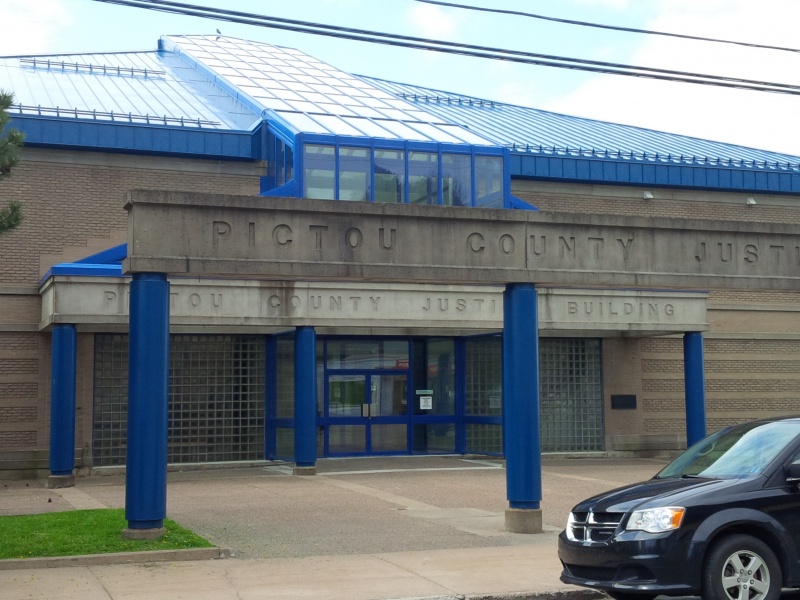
[10, 143]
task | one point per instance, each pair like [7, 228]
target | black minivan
[722, 521]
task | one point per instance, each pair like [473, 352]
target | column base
[303, 471]
[56, 482]
[524, 520]
[144, 534]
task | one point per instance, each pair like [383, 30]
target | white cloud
[432, 22]
[613, 4]
[756, 119]
[29, 26]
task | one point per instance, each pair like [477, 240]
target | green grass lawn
[83, 532]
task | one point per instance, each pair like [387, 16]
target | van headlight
[656, 520]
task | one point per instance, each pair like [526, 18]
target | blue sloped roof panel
[526, 129]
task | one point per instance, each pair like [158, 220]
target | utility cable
[605, 26]
[456, 48]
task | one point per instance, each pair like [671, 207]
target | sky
[755, 119]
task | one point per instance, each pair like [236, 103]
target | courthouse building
[401, 368]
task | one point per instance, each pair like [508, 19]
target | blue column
[148, 382]
[695, 387]
[521, 396]
[305, 397]
[62, 400]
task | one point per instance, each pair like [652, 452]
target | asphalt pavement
[361, 529]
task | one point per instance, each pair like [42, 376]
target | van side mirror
[792, 472]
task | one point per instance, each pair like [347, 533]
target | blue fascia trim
[84, 270]
[632, 172]
[87, 134]
[287, 190]
[110, 256]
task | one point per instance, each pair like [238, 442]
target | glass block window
[571, 391]
[484, 438]
[216, 399]
[484, 376]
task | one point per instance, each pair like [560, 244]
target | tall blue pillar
[521, 408]
[305, 401]
[62, 406]
[695, 387]
[148, 382]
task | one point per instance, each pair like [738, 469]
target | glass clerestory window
[366, 174]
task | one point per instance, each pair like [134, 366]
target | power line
[605, 26]
[456, 48]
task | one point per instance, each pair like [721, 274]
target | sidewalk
[362, 529]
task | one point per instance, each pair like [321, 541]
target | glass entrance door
[367, 413]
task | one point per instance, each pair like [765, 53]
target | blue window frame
[389, 171]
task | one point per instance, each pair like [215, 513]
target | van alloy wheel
[741, 567]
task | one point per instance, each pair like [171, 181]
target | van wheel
[630, 596]
[741, 567]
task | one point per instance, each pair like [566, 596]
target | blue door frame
[369, 418]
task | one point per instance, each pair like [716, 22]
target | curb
[558, 595]
[115, 558]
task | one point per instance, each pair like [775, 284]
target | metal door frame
[367, 421]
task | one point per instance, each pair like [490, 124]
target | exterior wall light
[751, 201]
[648, 195]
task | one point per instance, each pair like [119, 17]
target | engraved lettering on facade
[723, 255]
[251, 230]
[597, 245]
[336, 303]
[626, 247]
[376, 300]
[474, 305]
[282, 234]
[614, 308]
[751, 253]
[318, 230]
[475, 243]
[566, 246]
[220, 229]
[353, 238]
[507, 244]
[392, 238]
[542, 250]
[777, 251]
[194, 300]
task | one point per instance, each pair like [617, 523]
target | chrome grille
[592, 526]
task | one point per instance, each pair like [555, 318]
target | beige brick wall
[73, 206]
[71, 198]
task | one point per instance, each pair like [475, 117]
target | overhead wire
[472, 50]
[605, 26]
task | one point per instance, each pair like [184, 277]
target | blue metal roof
[524, 129]
[212, 95]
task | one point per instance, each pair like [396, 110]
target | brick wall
[73, 206]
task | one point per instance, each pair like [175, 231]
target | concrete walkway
[362, 529]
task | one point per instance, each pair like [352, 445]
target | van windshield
[733, 452]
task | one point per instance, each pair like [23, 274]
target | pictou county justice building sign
[288, 239]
